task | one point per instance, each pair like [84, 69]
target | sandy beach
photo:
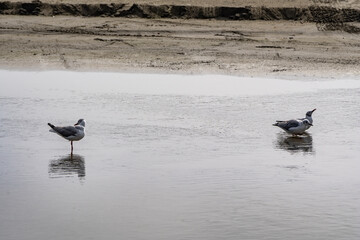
[277, 47]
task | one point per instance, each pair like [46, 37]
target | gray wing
[288, 124]
[66, 131]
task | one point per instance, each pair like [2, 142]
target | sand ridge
[209, 3]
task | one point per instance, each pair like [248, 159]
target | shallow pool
[177, 157]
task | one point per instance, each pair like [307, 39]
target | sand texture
[254, 38]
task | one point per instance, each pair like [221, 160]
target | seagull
[294, 127]
[308, 116]
[71, 133]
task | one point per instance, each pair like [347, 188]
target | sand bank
[235, 43]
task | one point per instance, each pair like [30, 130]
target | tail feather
[278, 122]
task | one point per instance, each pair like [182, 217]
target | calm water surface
[177, 157]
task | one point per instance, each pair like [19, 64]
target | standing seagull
[71, 133]
[294, 127]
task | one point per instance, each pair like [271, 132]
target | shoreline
[158, 84]
[250, 48]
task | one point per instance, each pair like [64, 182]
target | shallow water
[177, 157]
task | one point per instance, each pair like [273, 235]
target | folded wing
[65, 131]
[286, 125]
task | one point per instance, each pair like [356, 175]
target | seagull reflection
[294, 144]
[67, 166]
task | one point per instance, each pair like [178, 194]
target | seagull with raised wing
[294, 127]
[71, 133]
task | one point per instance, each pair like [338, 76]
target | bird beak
[311, 124]
[313, 110]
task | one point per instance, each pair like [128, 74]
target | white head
[80, 122]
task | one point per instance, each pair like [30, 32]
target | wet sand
[265, 48]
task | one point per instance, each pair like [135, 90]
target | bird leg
[72, 147]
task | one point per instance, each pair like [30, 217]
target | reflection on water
[67, 166]
[302, 143]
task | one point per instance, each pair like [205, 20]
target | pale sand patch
[245, 48]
